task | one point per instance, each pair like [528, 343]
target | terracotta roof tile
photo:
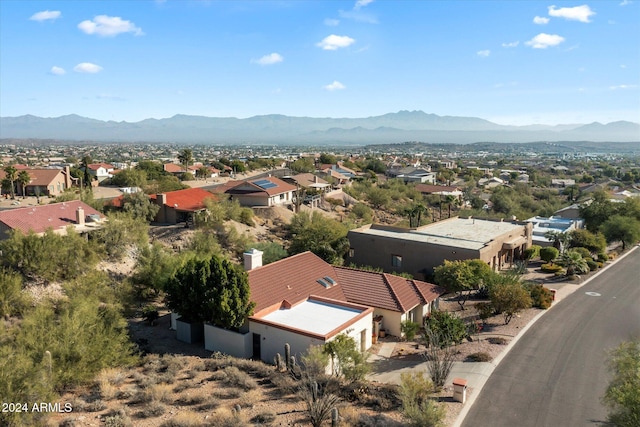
[39, 218]
[190, 199]
[173, 168]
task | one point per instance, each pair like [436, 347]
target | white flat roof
[313, 316]
[458, 233]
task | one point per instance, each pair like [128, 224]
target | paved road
[556, 373]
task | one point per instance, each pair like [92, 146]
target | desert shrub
[12, 300]
[264, 418]
[548, 254]
[551, 268]
[246, 216]
[318, 401]
[348, 362]
[497, 340]
[531, 252]
[250, 398]
[236, 377]
[603, 257]
[96, 405]
[118, 418]
[445, 324]
[541, 297]
[592, 265]
[315, 361]
[283, 384]
[584, 252]
[184, 419]
[485, 310]
[225, 417]
[254, 367]
[479, 357]
[409, 329]
[151, 409]
[417, 406]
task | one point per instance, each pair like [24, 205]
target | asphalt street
[556, 374]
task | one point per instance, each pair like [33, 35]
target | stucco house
[267, 191]
[419, 250]
[181, 205]
[44, 182]
[100, 171]
[55, 216]
[303, 301]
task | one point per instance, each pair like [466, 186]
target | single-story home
[267, 191]
[181, 205]
[44, 182]
[56, 216]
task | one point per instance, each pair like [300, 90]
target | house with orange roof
[303, 301]
[267, 191]
[44, 182]
[55, 216]
[180, 206]
[173, 168]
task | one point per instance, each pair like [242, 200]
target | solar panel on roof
[264, 184]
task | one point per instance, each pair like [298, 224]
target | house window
[282, 196]
[396, 261]
[351, 252]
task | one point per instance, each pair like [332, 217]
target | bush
[417, 406]
[584, 252]
[531, 252]
[497, 340]
[541, 297]
[592, 265]
[548, 254]
[551, 268]
[485, 310]
[150, 314]
[409, 329]
[603, 257]
[479, 357]
[446, 325]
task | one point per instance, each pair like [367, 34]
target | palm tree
[574, 263]
[450, 200]
[23, 179]
[415, 214]
[186, 157]
[11, 175]
[560, 240]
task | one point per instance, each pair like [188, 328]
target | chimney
[80, 216]
[252, 259]
[315, 179]
[161, 199]
[67, 177]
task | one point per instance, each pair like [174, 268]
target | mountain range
[280, 129]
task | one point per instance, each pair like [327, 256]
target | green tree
[462, 277]
[623, 393]
[121, 233]
[153, 170]
[11, 174]
[186, 158]
[593, 242]
[302, 165]
[23, 179]
[130, 178]
[378, 197]
[328, 159]
[323, 236]
[621, 229]
[211, 289]
[84, 165]
[12, 300]
[346, 360]
[447, 327]
[139, 206]
[509, 297]
[598, 211]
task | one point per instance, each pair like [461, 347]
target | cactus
[237, 408]
[314, 390]
[278, 361]
[334, 417]
[287, 355]
[292, 363]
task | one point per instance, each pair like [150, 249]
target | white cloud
[543, 41]
[540, 20]
[625, 2]
[87, 67]
[334, 42]
[361, 3]
[58, 71]
[623, 66]
[46, 15]
[272, 58]
[621, 87]
[577, 13]
[483, 53]
[109, 26]
[358, 16]
[331, 22]
[336, 85]
[511, 44]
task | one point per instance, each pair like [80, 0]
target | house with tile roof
[441, 190]
[180, 206]
[44, 182]
[100, 171]
[303, 300]
[55, 216]
[266, 191]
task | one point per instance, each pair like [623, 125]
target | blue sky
[512, 62]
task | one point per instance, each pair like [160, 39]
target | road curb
[494, 363]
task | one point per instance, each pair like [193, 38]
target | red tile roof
[190, 199]
[292, 280]
[173, 168]
[39, 218]
[96, 166]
